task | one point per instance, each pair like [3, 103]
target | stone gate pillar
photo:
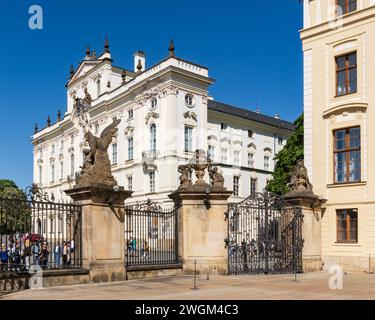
[311, 207]
[103, 248]
[202, 228]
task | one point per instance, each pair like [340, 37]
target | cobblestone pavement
[308, 286]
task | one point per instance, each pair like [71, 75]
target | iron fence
[151, 235]
[35, 231]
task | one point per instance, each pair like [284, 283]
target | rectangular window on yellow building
[347, 225]
[346, 74]
[347, 155]
[346, 6]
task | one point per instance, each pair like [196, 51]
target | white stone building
[166, 113]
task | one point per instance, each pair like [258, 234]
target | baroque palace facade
[166, 114]
[339, 98]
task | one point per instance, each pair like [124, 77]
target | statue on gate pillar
[96, 168]
[299, 181]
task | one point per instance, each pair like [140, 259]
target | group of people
[20, 252]
[132, 248]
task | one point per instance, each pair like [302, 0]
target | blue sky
[252, 49]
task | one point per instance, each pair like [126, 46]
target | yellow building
[339, 100]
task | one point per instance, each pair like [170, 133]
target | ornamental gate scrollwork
[264, 236]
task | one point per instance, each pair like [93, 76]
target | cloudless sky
[251, 47]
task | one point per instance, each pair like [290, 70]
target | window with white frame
[72, 165]
[153, 137]
[98, 87]
[130, 114]
[224, 126]
[114, 153]
[130, 183]
[211, 152]
[188, 139]
[266, 163]
[130, 148]
[152, 181]
[236, 157]
[52, 172]
[253, 186]
[40, 175]
[224, 155]
[236, 185]
[250, 160]
[61, 170]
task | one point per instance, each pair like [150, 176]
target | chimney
[139, 56]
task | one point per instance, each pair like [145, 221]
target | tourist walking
[57, 255]
[4, 258]
[65, 254]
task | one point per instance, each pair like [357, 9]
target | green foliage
[15, 212]
[286, 160]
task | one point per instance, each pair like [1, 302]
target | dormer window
[346, 6]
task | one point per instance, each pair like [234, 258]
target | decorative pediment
[212, 137]
[346, 108]
[151, 115]
[84, 68]
[225, 140]
[267, 151]
[191, 115]
[129, 131]
[251, 147]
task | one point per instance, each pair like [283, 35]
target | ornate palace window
[130, 148]
[346, 74]
[347, 225]
[152, 181]
[224, 155]
[266, 163]
[153, 137]
[347, 155]
[72, 166]
[253, 186]
[114, 153]
[236, 185]
[188, 139]
[130, 183]
[236, 157]
[211, 152]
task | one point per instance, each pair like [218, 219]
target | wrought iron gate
[37, 231]
[264, 236]
[151, 235]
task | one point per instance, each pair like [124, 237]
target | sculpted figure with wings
[96, 168]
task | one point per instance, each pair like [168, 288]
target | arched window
[153, 137]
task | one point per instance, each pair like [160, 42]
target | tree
[286, 160]
[14, 209]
